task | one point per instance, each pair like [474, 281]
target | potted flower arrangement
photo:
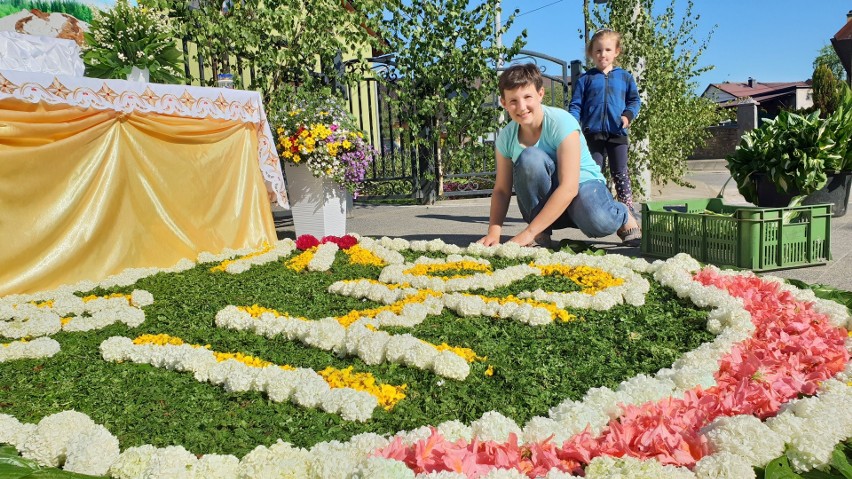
[323, 152]
[127, 40]
[796, 158]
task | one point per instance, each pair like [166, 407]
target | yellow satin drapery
[87, 193]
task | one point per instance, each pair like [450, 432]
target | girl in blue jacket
[605, 101]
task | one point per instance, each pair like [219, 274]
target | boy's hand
[625, 122]
[524, 238]
[490, 240]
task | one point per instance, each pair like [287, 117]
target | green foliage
[285, 41]
[663, 56]
[125, 36]
[142, 404]
[838, 467]
[827, 90]
[446, 54]
[828, 57]
[77, 10]
[795, 151]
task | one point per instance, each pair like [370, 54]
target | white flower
[217, 466]
[141, 298]
[455, 430]
[575, 416]
[441, 475]
[504, 474]
[379, 467]
[723, 465]
[450, 365]
[745, 436]
[542, 428]
[92, 452]
[37, 348]
[48, 443]
[173, 462]
[555, 473]
[493, 426]
[13, 431]
[627, 467]
[132, 461]
[810, 449]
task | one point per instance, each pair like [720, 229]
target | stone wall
[722, 142]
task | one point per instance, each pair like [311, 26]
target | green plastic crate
[758, 239]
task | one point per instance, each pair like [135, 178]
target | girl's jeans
[616, 156]
[593, 211]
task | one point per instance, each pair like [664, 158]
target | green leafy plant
[795, 151]
[124, 37]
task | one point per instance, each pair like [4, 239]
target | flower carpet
[356, 357]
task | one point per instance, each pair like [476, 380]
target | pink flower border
[792, 350]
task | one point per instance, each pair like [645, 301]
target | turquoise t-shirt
[557, 124]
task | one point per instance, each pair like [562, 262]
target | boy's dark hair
[519, 75]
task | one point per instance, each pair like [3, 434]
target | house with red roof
[768, 98]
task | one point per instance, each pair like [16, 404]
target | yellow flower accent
[490, 371]
[93, 297]
[347, 144]
[255, 311]
[65, 321]
[555, 312]
[363, 256]
[264, 248]
[165, 339]
[250, 361]
[347, 319]
[429, 269]
[158, 340]
[388, 395]
[374, 281]
[468, 354]
[592, 280]
[299, 263]
[43, 304]
[296, 158]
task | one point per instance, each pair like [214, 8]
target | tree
[826, 90]
[286, 41]
[446, 57]
[663, 55]
[828, 57]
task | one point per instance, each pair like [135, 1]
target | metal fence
[403, 169]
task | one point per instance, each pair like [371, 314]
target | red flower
[342, 242]
[306, 241]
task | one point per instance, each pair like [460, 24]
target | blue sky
[771, 41]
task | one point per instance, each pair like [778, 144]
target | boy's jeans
[593, 211]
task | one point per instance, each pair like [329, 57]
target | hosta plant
[795, 151]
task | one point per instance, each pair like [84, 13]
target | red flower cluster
[309, 241]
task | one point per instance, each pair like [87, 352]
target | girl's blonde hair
[600, 35]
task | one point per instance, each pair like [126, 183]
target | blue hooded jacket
[599, 100]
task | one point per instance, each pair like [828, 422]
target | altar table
[97, 176]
